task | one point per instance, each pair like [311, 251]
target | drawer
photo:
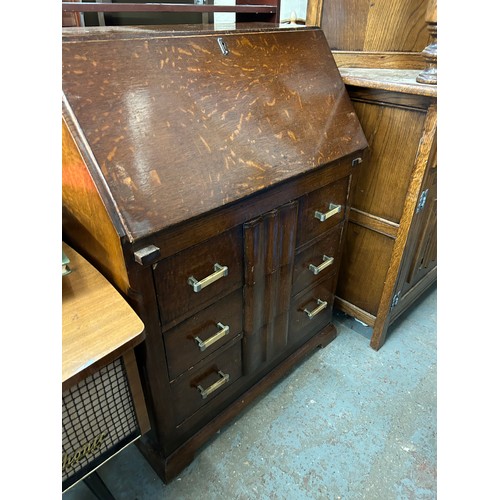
[192, 279]
[317, 260]
[321, 210]
[311, 311]
[202, 334]
[198, 387]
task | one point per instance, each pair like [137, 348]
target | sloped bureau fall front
[207, 174]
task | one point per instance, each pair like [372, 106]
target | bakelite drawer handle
[332, 210]
[322, 305]
[220, 272]
[327, 261]
[206, 392]
[203, 344]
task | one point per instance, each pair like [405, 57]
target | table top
[399, 80]
[98, 325]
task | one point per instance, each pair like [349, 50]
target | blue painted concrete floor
[347, 423]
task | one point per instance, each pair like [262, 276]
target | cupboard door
[425, 254]
[420, 256]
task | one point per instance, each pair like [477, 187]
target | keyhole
[223, 46]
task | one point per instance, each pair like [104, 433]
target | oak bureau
[206, 174]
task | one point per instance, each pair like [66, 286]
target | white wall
[287, 6]
[299, 6]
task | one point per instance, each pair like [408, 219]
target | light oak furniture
[103, 406]
[207, 174]
[390, 257]
[373, 34]
[385, 50]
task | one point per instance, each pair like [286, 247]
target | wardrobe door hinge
[422, 200]
[395, 300]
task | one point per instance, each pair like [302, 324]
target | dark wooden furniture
[147, 12]
[103, 406]
[390, 257]
[207, 174]
[71, 19]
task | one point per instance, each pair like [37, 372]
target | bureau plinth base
[168, 468]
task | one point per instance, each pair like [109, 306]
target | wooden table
[98, 324]
[98, 327]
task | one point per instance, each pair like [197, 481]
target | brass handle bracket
[203, 344]
[219, 272]
[322, 305]
[224, 378]
[332, 210]
[327, 261]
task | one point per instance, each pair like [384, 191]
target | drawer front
[317, 261]
[321, 210]
[193, 278]
[311, 311]
[202, 334]
[200, 386]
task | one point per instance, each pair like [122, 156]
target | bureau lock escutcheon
[223, 46]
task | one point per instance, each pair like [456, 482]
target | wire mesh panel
[98, 419]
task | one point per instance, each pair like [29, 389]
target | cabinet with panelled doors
[390, 258]
[212, 187]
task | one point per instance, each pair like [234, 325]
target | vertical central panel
[269, 243]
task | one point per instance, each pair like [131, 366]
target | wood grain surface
[378, 60]
[96, 321]
[396, 80]
[178, 129]
[385, 235]
[374, 26]
[214, 158]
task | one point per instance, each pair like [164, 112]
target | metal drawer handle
[322, 305]
[327, 261]
[220, 272]
[332, 210]
[206, 392]
[203, 344]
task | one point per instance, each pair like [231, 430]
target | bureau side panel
[364, 266]
[86, 224]
[394, 135]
